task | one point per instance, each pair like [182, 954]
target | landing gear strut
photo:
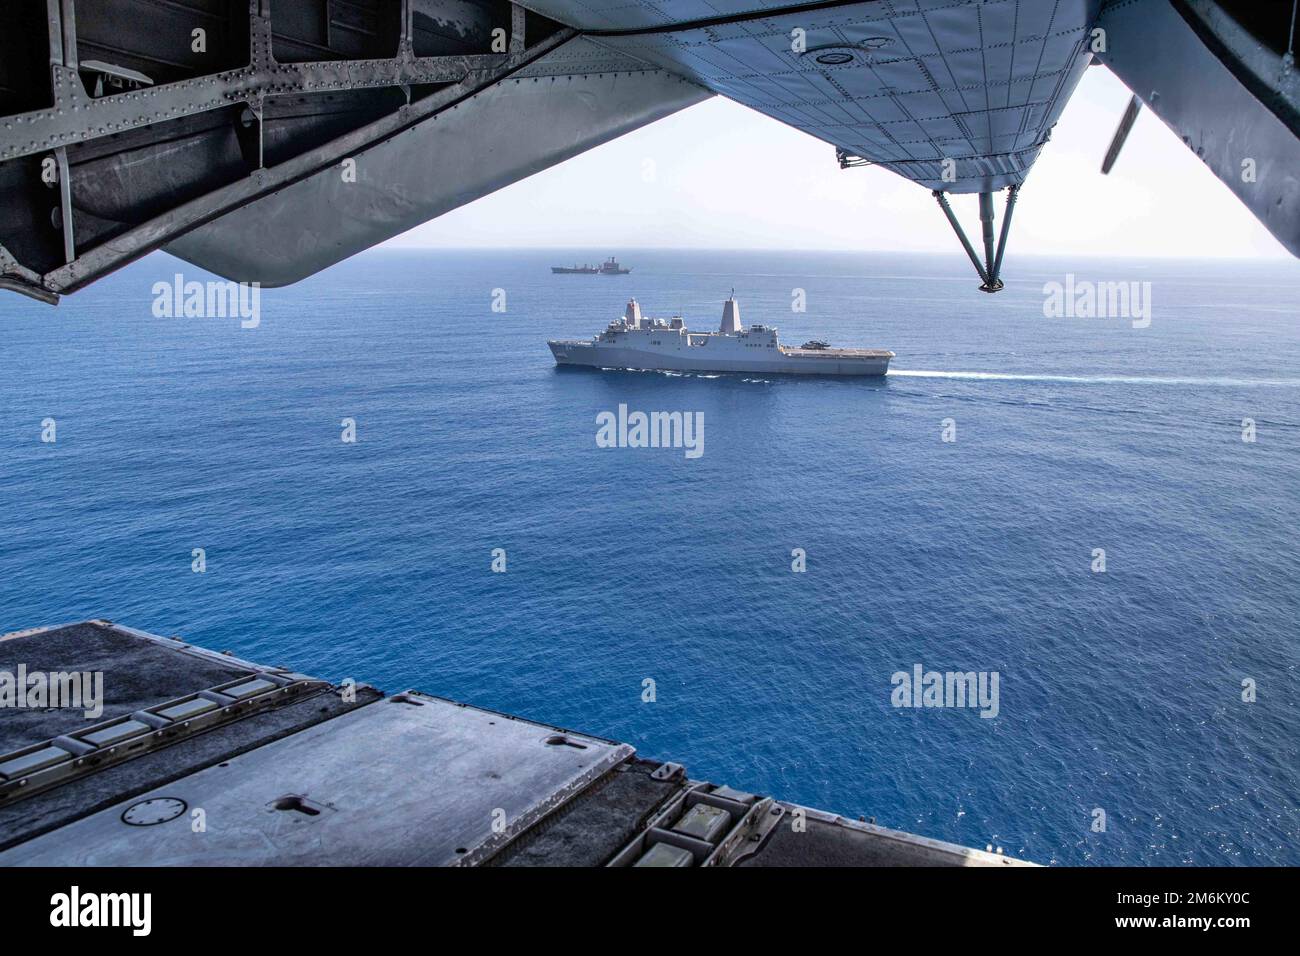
[990, 269]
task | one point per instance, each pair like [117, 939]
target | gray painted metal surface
[598, 15]
[142, 671]
[905, 86]
[832, 840]
[411, 780]
[1243, 141]
[497, 136]
[158, 231]
[77, 118]
[343, 776]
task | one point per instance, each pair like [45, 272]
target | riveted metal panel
[904, 86]
[498, 136]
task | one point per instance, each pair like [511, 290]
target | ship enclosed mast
[730, 316]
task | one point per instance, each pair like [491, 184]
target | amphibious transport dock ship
[639, 342]
[200, 758]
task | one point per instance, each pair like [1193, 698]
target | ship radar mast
[633, 314]
[730, 316]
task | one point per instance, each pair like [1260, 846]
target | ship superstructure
[636, 341]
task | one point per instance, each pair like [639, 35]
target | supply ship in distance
[609, 267]
[638, 342]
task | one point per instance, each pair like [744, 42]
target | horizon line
[1244, 257]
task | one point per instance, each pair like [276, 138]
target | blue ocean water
[1119, 690]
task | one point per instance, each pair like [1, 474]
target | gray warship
[638, 342]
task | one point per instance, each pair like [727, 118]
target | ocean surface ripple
[1119, 691]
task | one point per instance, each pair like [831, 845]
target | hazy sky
[728, 177]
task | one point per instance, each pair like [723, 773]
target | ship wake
[1099, 379]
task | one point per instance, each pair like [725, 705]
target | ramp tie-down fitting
[990, 269]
